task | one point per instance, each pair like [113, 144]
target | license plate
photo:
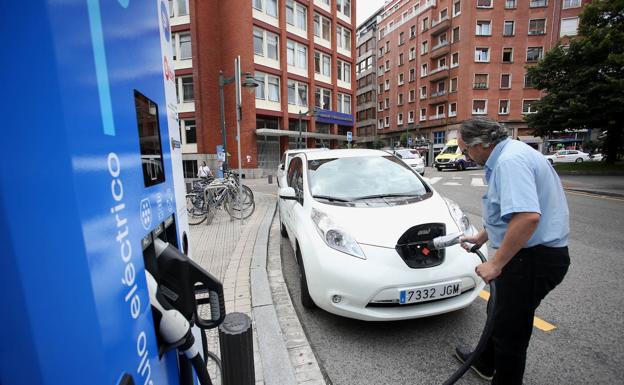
[430, 292]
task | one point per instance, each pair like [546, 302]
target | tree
[584, 81]
[379, 143]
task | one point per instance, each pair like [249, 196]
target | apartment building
[299, 52]
[440, 62]
[366, 78]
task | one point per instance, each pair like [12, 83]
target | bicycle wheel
[196, 209]
[239, 208]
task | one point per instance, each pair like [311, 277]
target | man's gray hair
[482, 130]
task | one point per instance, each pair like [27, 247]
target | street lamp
[309, 113]
[249, 82]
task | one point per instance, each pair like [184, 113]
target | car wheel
[439, 168]
[283, 230]
[579, 160]
[306, 299]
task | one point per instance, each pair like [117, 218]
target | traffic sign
[349, 136]
[409, 140]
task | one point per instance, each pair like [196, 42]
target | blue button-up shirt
[520, 179]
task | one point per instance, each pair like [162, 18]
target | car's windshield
[406, 154]
[363, 176]
[449, 150]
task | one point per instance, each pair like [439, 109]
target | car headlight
[334, 236]
[459, 217]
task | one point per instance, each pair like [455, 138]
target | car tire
[579, 160]
[283, 230]
[439, 168]
[306, 299]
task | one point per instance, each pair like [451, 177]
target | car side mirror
[287, 193]
[281, 166]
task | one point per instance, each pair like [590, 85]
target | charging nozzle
[445, 241]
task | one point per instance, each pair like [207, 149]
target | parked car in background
[412, 158]
[285, 161]
[568, 156]
[360, 222]
[597, 157]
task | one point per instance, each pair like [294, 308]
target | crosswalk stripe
[477, 182]
[435, 179]
[452, 184]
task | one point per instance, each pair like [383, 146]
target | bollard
[237, 359]
[270, 178]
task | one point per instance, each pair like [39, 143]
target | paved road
[585, 348]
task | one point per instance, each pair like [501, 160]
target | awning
[295, 134]
[530, 139]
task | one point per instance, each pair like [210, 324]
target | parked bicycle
[210, 195]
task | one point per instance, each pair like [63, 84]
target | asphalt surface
[585, 348]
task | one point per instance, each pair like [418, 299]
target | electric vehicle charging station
[91, 195]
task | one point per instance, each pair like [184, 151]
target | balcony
[436, 117]
[438, 97]
[480, 86]
[438, 75]
[436, 70]
[440, 50]
[439, 26]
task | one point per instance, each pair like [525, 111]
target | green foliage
[584, 82]
[379, 143]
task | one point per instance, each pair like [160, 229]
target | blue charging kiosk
[90, 174]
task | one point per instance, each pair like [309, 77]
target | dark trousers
[523, 283]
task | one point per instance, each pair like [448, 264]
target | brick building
[300, 52]
[440, 62]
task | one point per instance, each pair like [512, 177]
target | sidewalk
[246, 258]
[594, 184]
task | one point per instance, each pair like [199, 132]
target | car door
[287, 205]
[297, 211]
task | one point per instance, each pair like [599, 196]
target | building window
[425, 24]
[387, 103]
[527, 106]
[538, 3]
[401, 38]
[190, 168]
[187, 89]
[528, 81]
[399, 119]
[455, 35]
[443, 15]
[534, 54]
[456, 8]
[343, 38]
[412, 74]
[344, 7]
[265, 43]
[297, 93]
[484, 3]
[423, 114]
[510, 4]
[297, 54]
[452, 109]
[479, 107]
[537, 26]
[423, 69]
[296, 15]
[401, 79]
[571, 4]
[387, 65]
[569, 27]
[509, 28]
[322, 98]
[344, 103]
[412, 96]
[387, 121]
[423, 92]
[453, 85]
[482, 54]
[441, 88]
[507, 55]
[484, 28]
[268, 7]
[400, 99]
[344, 71]
[380, 106]
[386, 84]
[401, 61]
[190, 131]
[505, 81]
[268, 87]
[412, 53]
[438, 137]
[410, 117]
[424, 47]
[454, 59]
[412, 31]
[503, 107]
[322, 64]
[179, 7]
[380, 89]
[185, 46]
[480, 81]
[322, 27]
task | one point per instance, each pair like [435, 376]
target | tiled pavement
[231, 250]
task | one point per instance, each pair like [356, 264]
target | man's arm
[521, 228]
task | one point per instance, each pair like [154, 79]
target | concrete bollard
[270, 179]
[237, 358]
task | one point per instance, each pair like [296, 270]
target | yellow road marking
[595, 196]
[537, 322]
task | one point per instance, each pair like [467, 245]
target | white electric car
[360, 222]
[285, 161]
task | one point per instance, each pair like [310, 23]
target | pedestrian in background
[204, 171]
[526, 220]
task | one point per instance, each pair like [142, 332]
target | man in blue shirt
[526, 220]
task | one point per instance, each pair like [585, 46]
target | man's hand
[488, 271]
[478, 239]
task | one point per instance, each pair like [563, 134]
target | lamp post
[249, 82]
[301, 114]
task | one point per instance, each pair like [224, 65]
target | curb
[273, 352]
[596, 193]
